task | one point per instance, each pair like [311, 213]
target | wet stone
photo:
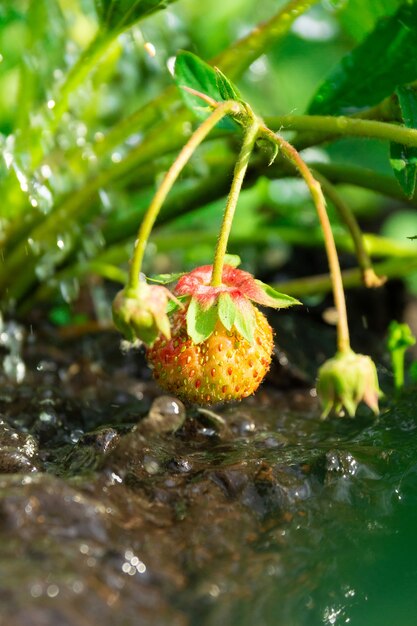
[18, 451]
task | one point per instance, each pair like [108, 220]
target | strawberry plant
[85, 145]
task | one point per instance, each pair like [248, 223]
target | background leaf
[117, 15]
[403, 158]
[373, 70]
[358, 17]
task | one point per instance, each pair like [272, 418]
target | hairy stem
[168, 181]
[343, 341]
[345, 126]
[232, 199]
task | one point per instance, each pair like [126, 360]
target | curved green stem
[370, 278]
[169, 179]
[343, 341]
[345, 126]
[322, 283]
[232, 199]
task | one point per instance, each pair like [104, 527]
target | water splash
[11, 339]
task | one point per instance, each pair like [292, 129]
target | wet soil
[119, 506]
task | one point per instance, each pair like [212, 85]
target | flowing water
[121, 507]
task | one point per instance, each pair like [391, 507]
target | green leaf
[274, 298]
[233, 260]
[403, 159]
[374, 69]
[191, 71]
[200, 323]
[245, 322]
[358, 17]
[227, 89]
[118, 15]
[227, 311]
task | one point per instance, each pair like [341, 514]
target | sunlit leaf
[404, 158]
[373, 70]
[274, 298]
[117, 15]
[192, 72]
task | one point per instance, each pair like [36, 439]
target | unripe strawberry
[223, 367]
[141, 313]
[346, 380]
[221, 344]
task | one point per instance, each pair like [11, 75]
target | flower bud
[142, 313]
[346, 380]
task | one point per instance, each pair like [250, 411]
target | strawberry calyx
[230, 302]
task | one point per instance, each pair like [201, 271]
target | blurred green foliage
[90, 120]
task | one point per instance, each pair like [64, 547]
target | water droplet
[14, 368]
[69, 289]
[166, 414]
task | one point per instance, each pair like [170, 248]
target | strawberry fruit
[221, 344]
[226, 366]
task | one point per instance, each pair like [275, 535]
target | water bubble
[36, 590]
[151, 465]
[52, 591]
[167, 414]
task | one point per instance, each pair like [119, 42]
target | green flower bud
[346, 380]
[142, 313]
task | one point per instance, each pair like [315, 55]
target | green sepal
[227, 89]
[175, 304]
[200, 322]
[165, 279]
[274, 298]
[245, 323]
[227, 310]
[233, 260]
